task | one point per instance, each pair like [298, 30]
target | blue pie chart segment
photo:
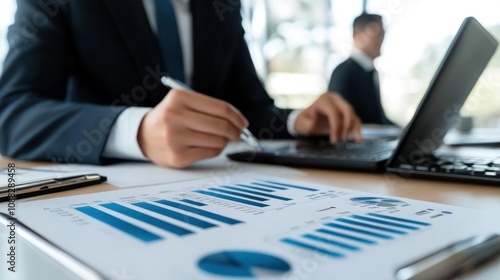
[243, 264]
[379, 201]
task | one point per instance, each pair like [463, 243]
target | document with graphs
[250, 226]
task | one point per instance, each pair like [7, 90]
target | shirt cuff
[290, 123]
[122, 140]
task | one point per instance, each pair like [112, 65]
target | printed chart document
[250, 226]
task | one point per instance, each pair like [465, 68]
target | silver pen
[459, 257]
[246, 135]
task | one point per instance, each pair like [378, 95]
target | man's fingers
[186, 127]
[348, 116]
[356, 130]
[210, 106]
[331, 114]
[326, 105]
[196, 139]
[185, 157]
[210, 125]
[196, 154]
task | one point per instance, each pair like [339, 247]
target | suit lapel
[133, 26]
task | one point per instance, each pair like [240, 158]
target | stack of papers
[250, 226]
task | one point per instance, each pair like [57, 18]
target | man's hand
[329, 114]
[186, 127]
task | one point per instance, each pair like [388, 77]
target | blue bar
[269, 186]
[258, 193]
[370, 226]
[174, 215]
[254, 188]
[147, 219]
[196, 203]
[313, 248]
[384, 222]
[355, 238]
[331, 242]
[252, 197]
[235, 199]
[119, 224]
[293, 186]
[383, 236]
[399, 219]
[200, 212]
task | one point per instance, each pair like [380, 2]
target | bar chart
[255, 194]
[355, 233]
[140, 211]
[186, 216]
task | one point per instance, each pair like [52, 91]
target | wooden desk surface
[451, 193]
[459, 194]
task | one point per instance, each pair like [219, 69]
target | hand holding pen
[186, 127]
[246, 135]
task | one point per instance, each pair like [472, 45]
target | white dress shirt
[122, 141]
[366, 63]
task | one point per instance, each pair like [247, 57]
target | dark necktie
[168, 37]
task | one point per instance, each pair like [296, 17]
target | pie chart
[379, 201]
[245, 264]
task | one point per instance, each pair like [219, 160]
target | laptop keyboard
[458, 165]
[368, 150]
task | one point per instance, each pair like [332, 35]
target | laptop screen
[463, 64]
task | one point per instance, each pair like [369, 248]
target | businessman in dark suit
[81, 84]
[356, 79]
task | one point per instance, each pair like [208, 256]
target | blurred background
[296, 44]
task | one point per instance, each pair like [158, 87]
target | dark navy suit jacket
[73, 67]
[357, 86]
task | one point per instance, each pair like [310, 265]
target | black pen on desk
[246, 135]
[461, 256]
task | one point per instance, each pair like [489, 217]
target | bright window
[303, 41]
[417, 37]
[6, 18]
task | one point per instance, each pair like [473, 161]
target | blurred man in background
[356, 79]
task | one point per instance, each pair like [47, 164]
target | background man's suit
[63, 87]
[357, 86]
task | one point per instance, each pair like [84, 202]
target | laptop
[414, 151]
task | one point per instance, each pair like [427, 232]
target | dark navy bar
[258, 193]
[146, 218]
[313, 248]
[252, 197]
[119, 224]
[196, 203]
[370, 226]
[175, 215]
[346, 236]
[293, 186]
[331, 242]
[383, 236]
[269, 186]
[383, 222]
[254, 188]
[235, 199]
[200, 212]
[399, 219]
